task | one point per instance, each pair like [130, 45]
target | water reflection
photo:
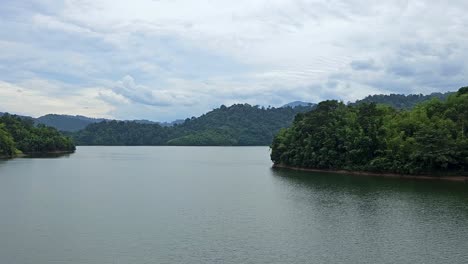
[211, 205]
[389, 217]
[366, 195]
[48, 155]
[365, 185]
[3, 161]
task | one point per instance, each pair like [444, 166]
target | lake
[219, 205]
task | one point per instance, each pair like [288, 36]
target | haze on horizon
[169, 59]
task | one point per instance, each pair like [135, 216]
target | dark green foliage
[69, 123]
[401, 101]
[205, 138]
[21, 134]
[66, 122]
[7, 145]
[237, 125]
[430, 138]
[122, 133]
[463, 90]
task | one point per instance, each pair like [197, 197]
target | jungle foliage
[401, 101]
[429, 138]
[237, 125]
[19, 134]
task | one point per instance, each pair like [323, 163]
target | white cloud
[35, 98]
[172, 59]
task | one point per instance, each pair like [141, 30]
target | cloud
[141, 94]
[35, 98]
[163, 60]
[363, 65]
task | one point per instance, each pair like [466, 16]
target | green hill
[237, 125]
[67, 122]
[428, 139]
[19, 134]
[401, 101]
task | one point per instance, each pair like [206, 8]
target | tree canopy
[237, 125]
[427, 139]
[20, 134]
[401, 101]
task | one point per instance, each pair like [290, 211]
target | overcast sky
[168, 59]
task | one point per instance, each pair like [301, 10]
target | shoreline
[49, 152]
[37, 154]
[463, 179]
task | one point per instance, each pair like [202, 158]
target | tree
[7, 145]
[429, 138]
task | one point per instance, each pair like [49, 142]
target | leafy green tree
[29, 138]
[429, 138]
[237, 125]
[7, 145]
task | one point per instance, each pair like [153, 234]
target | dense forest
[73, 123]
[237, 125]
[401, 101]
[20, 135]
[66, 122]
[70, 123]
[428, 139]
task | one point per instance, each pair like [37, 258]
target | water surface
[219, 205]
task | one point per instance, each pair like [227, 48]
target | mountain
[67, 122]
[18, 116]
[73, 123]
[70, 123]
[297, 103]
[401, 101]
[143, 121]
[236, 125]
[173, 123]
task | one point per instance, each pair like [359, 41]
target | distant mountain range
[67, 122]
[236, 125]
[298, 103]
[73, 123]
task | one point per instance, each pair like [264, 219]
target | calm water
[219, 205]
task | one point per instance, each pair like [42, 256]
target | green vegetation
[237, 125]
[7, 145]
[122, 133]
[401, 101]
[21, 135]
[429, 139]
[66, 122]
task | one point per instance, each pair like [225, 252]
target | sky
[170, 59]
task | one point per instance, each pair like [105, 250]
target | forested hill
[20, 135]
[67, 122]
[72, 123]
[431, 138]
[401, 101]
[237, 125]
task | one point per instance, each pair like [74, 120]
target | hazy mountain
[72, 123]
[67, 122]
[297, 103]
[169, 124]
[20, 116]
[143, 121]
